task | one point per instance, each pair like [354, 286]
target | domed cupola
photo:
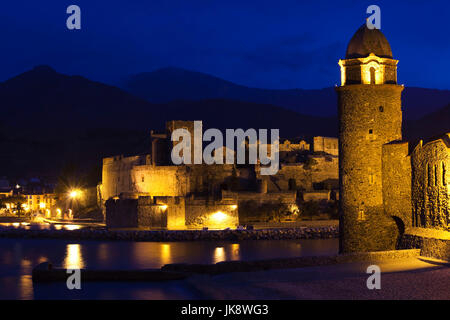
[366, 41]
[368, 59]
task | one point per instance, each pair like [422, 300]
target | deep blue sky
[268, 44]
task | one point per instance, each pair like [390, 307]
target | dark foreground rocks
[44, 272]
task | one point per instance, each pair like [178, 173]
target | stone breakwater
[172, 235]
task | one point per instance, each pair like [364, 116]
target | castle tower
[370, 115]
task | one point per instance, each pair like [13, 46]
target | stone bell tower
[370, 115]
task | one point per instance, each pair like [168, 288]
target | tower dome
[366, 41]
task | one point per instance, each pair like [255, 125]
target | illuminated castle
[149, 190]
[384, 188]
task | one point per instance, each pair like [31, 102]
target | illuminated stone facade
[326, 144]
[383, 188]
[200, 193]
[430, 192]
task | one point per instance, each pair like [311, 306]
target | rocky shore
[323, 232]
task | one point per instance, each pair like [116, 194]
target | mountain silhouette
[429, 126]
[168, 84]
[52, 119]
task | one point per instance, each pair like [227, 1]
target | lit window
[361, 215]
[372, 75]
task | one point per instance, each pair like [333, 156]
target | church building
[385, 186]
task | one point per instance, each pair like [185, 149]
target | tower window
[370, 131]
[381, 108]
[371, 179]
[372, 75]
[361, 215]
[436, 175]
[444, 181]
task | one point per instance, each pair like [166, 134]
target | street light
[74, 193]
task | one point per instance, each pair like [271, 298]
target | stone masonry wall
[433, 243]
[161, 180]
[211, 214]
[325, 168]
[116, 175]
[326, 144]
[396, 180]
[430, 193]
[151, 214]
[121, 213]
[369, 117]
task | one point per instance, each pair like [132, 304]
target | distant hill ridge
[168, 84]
[51, 119]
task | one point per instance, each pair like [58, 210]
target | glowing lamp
[75, 193]
[218, 216]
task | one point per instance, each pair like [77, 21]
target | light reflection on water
[39, 226]
[219, 254]
[19, 256]
[235, 253]
[74, 258]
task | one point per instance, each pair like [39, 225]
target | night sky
[268, 44]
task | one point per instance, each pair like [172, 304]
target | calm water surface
[19, 256]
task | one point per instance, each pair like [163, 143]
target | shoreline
[323, 232]
[45, 272]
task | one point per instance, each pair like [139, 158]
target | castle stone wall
[121, 213]
[325, 168]
[161, 180]
[151, 214]
[116, 175]
[326, 144]
[211, 214]
[396, 180]
[286, 197]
